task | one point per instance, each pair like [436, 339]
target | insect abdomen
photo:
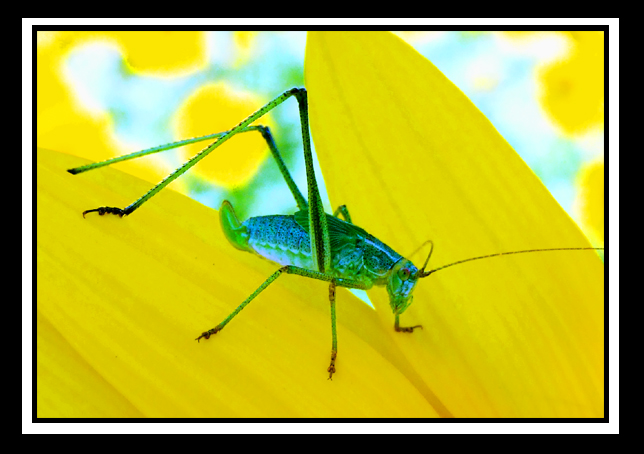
[279, 239]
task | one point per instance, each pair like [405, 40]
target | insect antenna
[420, 247]
[423, 273]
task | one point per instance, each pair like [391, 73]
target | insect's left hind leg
[299, 93]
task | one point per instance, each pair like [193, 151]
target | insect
[309, 243]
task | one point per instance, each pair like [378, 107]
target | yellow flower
[120, 301]
[573, 88]
[197, 117]
[63, 125]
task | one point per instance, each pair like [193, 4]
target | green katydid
[309, 243]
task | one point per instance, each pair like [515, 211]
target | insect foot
[110, 210]
[331, 369]
[208, 333]
[406, 329]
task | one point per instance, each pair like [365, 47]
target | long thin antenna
[425, 274]
[420, 247]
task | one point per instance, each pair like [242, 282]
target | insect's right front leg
[405, 329]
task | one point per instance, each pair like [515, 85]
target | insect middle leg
[289, 269]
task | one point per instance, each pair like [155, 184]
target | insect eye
[404, 274]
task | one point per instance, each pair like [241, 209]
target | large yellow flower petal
[121, 301]
[414, 159]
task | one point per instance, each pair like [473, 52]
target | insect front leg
[405, 329]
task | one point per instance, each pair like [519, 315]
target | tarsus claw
[204, 334]
[110, 210]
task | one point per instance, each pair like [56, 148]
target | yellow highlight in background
[214, 108]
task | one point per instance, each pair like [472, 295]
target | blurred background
[104, 94]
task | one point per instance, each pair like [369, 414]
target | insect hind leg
[268, 137]
[156, 149]
[243, 126]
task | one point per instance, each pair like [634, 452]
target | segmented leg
[289, 269]
[103, 210]
[334, 336]
[259, 290]
[264, 130]
[299, 198]
[299, 93]
[405, 329]
[342, 209]
[157, 149]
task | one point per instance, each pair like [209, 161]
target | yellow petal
[121, 300]
[414, 159]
